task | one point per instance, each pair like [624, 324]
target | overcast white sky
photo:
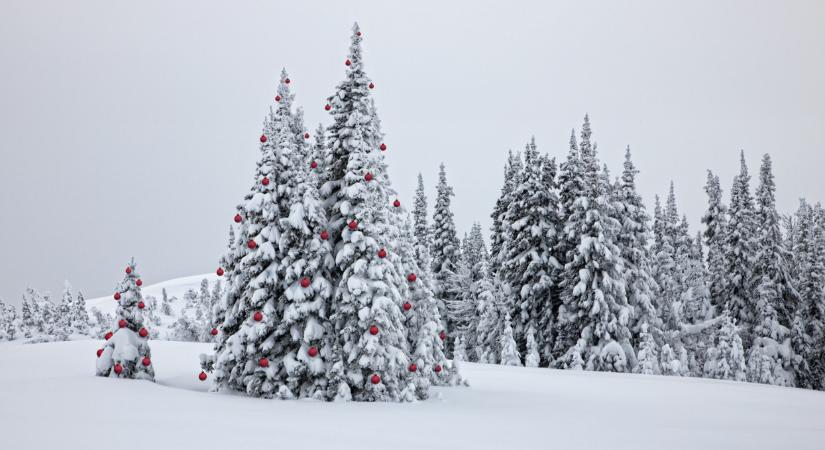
[131, 128]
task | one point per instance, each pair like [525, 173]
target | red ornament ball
[375, 379]
[353, 225]
[286, 80]
[305, 282]
[202, 376]
[412, 367]
[122, 323]
[437, 368]
[141, 305]
[442, 335]
[265, 181]
[238, 218]
[143, 332]
[407, 306]
[382, 253]
[411, 277]
[146, 361]
[118, 368]
[277, 98]
[263, 362]
[313, 165]
[368, 176]
[347, 63]
[313, 351]
[324, 235]
[129, 270]
[306, 135]
[214, 332]
[358, 33]
[117, 295]
[263, 138]
[219, 272]
[108, 336]
[139, 282]
[372, 86]
[327, 107]
[99, 352]
[252, 244]
[383, 147]
[258, 316]
[373, 330]
[396, 203]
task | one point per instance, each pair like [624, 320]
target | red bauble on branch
[305, 282]
[442, 335]
[117, 295]
[128, 270]
[306, 135]
[286, 80]
[141, 305]
[219, 272]
[407, 306]
[382, 253]
[118, 368]
[412, 367]
[353, 225]
[411, 277]
[437, 368]
[143, 332]
[263, 138]
[371, 85]
[202, 376]
[347, 63]
[265, 181]
[324, 235]
[368, 176]
[375, 379]
[99, 352]
[139, 282]
[146, 361]
[383, 147]
[373, 330]
[277, 98]
[396, 203]
[263, 362]
[214, 332]
[238, 218]
[252, 244]
[358, 33]
[313, 165]
[121, 323]
[327, 107]
[313, 351]
[108, 336]
[258, 316]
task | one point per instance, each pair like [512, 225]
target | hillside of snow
[50, 398]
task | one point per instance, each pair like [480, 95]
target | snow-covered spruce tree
[594, 316]
[770, 360]
[370, 366]
[740, 253]
[648, 357]
[422, 228]
[808, 329]
[528, 259]
[509, 350]
[8, 322]
[126, 353]
[474, 251]
[499, 231]
[726, 360]
[634, 242]
[445, 250]
[715, 221]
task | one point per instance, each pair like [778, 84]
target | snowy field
[49, 398]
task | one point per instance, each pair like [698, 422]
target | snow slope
[50, 398]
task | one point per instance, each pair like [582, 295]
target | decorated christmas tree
[126, 353]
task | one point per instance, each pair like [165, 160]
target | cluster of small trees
[194, 322]
[579, 276]
[40, 319]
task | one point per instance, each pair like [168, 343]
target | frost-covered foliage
[126, 353]
[726, 359]
[445, 247]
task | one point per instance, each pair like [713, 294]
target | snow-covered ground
[50, 398]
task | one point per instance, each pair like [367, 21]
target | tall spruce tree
[446, 251]
[715, 221]
[499, 231]
[422, 228]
